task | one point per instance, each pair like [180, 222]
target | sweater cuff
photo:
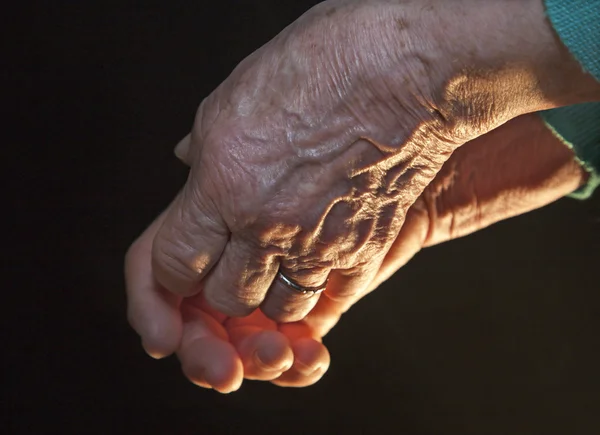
[577, 23]
[578, 127]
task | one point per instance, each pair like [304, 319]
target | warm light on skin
[310, 156]
[200, 262]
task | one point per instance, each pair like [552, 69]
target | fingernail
[280, 366]
[307, 370]
[181, 149]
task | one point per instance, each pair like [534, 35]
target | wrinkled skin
[307, 159]
[472, 190]
[297, 167]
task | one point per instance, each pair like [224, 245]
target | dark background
[496, 333]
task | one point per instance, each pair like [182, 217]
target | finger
[265, 352]
[238, 283]
[200, 302]
[311, 361]
[324, 316]
[152, 311]
[344, 289]
[347, 286]
[182, 150]
[284, 302]
[207, 357]
[189, 243]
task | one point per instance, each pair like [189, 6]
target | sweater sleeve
[577, 23]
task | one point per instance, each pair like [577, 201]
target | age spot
[402, 23]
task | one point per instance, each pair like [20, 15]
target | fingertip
[227, 385]
[182, 149]
[273, 352]
[225, 378]
[310, 356]
[265, 354]
[151, 311]
[213, 362]
[157, 350]
[311, 362]
[162, 344]
[159, 340]
[158, 322]
[195, 374]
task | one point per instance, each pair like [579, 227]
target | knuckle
[307, 275]
[273, 236]
[168, 260]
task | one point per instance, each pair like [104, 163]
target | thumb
[182, 150]
[189, 243]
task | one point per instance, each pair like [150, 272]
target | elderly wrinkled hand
[305, 161]
[471, 191]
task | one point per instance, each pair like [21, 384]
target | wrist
[463, 67]
[503, 59]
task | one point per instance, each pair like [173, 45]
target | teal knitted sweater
[577, 23]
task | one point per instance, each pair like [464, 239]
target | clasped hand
[318, 158]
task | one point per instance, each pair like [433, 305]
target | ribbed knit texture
[577, 22]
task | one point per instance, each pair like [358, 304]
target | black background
[492, 334]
